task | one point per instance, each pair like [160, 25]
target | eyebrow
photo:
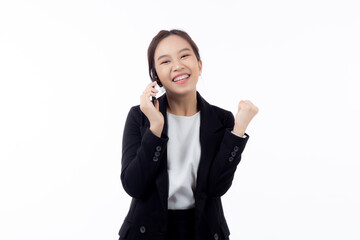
[184, 49]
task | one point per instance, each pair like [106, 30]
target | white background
[70, 71]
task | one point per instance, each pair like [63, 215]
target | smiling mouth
[182, 78]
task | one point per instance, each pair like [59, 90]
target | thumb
[157, 104]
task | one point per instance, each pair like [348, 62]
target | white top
[183, 157]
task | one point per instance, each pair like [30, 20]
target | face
[176, 65]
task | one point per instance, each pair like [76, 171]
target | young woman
[180, 153]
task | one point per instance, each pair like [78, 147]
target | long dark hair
[160, 36]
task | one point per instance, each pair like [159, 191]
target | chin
[182, 92]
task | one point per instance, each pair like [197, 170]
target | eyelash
[182, 56]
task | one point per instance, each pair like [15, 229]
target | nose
[177, 65]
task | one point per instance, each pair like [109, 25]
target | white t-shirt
[183, 157]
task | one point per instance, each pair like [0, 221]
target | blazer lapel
[162, 181]
[210, 127]
[210, 136]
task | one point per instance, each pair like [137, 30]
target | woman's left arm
[229, 155]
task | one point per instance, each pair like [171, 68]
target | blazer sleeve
[225, 163]
[141, 155]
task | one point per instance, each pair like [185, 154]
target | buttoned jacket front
[144, 173]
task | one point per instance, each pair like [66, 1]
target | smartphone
[153, 75]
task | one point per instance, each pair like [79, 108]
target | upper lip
[180, 75]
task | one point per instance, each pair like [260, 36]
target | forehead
[171, 45]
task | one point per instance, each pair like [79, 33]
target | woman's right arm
[142, 155]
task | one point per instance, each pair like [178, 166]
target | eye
[185, 55]
[164, 62]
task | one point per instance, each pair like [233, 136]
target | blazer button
[216, 236]
[236, 148]
[233, 154]
[157, 154]
[155, 159]
[142, 229]
[231, 159]
[158, 148]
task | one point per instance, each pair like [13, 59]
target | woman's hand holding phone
[151, 110]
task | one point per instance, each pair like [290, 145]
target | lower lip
[182, 81]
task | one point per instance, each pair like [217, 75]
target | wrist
[156, 129]
[239, 131]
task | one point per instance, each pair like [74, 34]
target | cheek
[164, 70]
[163, 74]
[195, 66]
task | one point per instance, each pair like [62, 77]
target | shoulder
[135, 115]
[216, 110]
[216, 113]
[223, 115]
[221, 111]
[135, 110]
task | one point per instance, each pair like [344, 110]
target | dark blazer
[144, 173]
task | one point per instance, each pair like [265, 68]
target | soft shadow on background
[71, 70]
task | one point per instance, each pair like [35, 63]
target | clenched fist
[246, 111]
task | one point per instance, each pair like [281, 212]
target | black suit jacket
[144, 173]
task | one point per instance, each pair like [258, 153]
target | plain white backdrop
[70, 71]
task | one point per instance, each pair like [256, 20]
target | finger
[154, 90]
[150, 88]
[150, 92]
[146, 97]
[151, 85]
[240, 104]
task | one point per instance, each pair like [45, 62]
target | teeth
[181, 78]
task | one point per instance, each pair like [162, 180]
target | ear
[200, 65]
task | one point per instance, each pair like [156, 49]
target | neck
[184, 105]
